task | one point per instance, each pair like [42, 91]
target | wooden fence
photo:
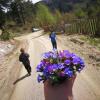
[84, 26]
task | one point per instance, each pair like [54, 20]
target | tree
[80, 13]
[58, 16]
[2, 18]
[4, 4]
[93, 9]
[43, 16]
[22, 11]
[16, 9]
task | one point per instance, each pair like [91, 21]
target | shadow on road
[21, 78]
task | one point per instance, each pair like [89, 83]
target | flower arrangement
[59, 66]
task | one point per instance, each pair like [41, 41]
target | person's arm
[20, 59]
[28, 61]
[55, 36]
[27, 55]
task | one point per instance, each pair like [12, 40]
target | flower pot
[59, 92]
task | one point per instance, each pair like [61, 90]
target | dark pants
[54, 44]
[27, 67]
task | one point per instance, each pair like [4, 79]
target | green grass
[91, 41]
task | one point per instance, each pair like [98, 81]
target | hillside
[66, 5]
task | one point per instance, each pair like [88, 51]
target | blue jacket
[53, 36]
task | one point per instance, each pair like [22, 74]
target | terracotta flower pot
[59, 92]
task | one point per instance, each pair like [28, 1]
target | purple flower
[50, 68]
[81, 62]
[47, 55]
[73, 55]
[76, 60]
[81, 67]
[66, 51]
[55, 56]
[61, 66]
[67, 54]
[61, 55]
[39, 78]
[55, 67]
[67, 62]
[46, 73]
[40, 66]
[68, 72]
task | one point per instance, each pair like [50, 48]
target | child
[53, 40]
[24, 58]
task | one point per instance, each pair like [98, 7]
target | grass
[92, 41]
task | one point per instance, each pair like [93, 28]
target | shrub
[6, 35]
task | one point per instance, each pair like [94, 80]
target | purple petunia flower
[61, 66]
[68, 56]
[66, 51]
[46, 73]
[39, 78]
[40, 66]
[55, 56]
[55, 67]
[81, 62]
[47, 55]
[73, 55]
[76, 60]
[67, 62]
[50, 68]
[68, 72]
[61, 55]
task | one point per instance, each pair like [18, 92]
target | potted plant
[57, 70]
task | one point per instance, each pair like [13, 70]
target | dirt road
[87, 84]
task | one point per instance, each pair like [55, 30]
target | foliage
[93, 9]
[43, 16]
[68, 17]
[80, 13]
[6, 35]
[2, 18]
[3, 4]
[58, 16]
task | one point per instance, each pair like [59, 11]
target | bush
[6, 35]
[44, 17]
